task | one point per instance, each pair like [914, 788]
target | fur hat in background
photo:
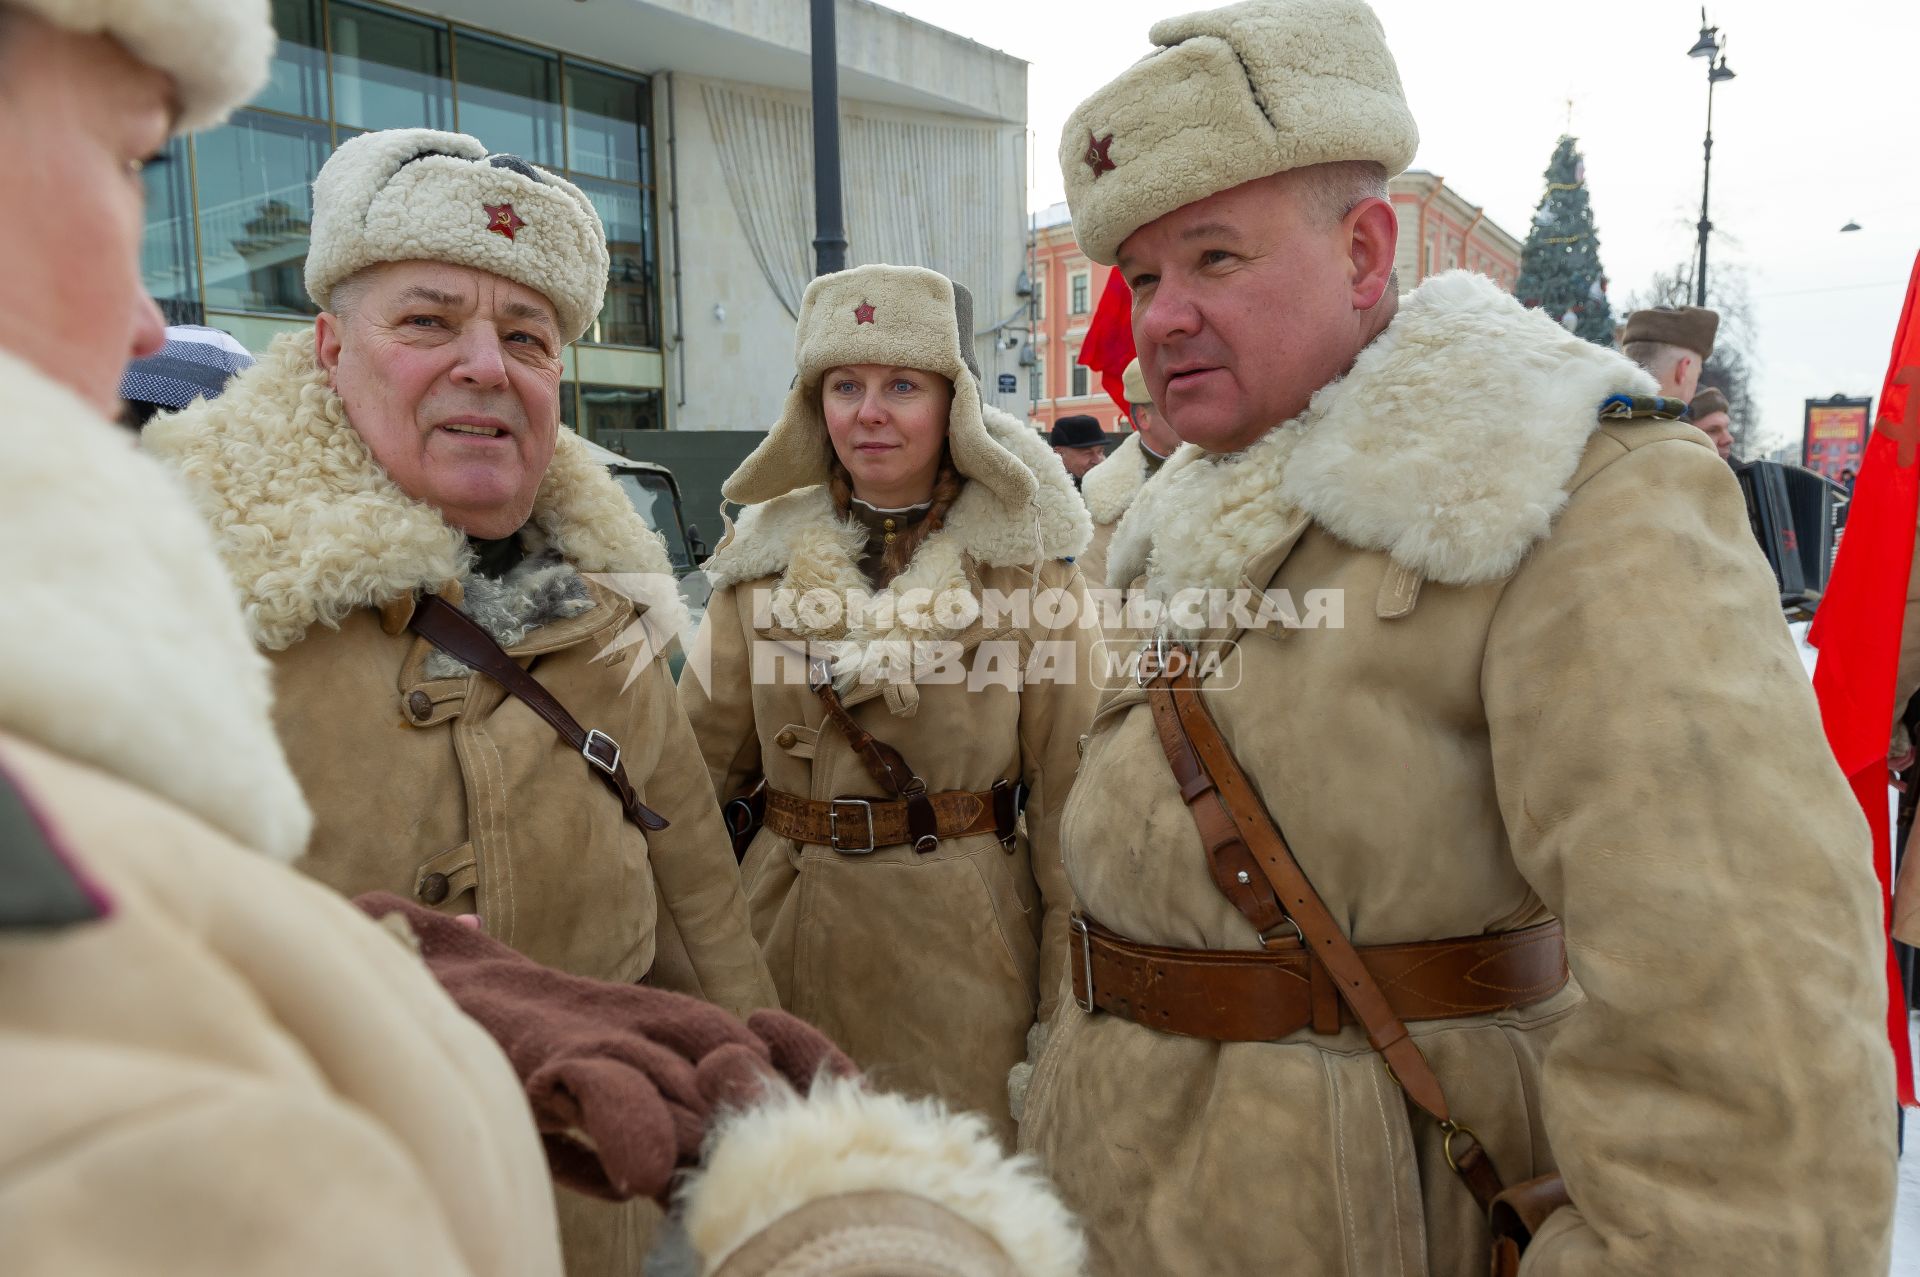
[1134, 384]
[1710, 400]
[407, 195]
[849, 1181]
[1232, 95]
[1688, 327]
[216, 50]
[899, 316]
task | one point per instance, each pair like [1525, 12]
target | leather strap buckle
[1153, 660]
[602, 751]
[833, 824]
[1077, 925]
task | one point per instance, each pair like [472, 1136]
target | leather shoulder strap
[1176, 700]
[460, 636]
[888, 766]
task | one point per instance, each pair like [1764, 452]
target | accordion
[1795, 514]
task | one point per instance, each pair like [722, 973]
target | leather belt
[1236, 995]
[857, 826]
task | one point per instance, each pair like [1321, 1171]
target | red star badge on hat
[1096, 156]
[502, 220]
[862, 314]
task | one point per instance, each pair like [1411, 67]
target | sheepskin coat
[1110, 490]
[228, 1044]
[929, 969]
[1550, 677]
[428, 779]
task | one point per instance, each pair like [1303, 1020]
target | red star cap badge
[863, 314]
[502, 220]
[1096, 156]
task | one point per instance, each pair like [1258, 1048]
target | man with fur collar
[1111, 487]
[410, 445]
[211, 1063]
[1493, 601]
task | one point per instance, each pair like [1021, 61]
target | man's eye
[1214, 256]
[423, 321]
[1141, 281]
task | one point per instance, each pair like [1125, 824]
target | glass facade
[228, 211]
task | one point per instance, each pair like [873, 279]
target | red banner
[1857, 628]
[1108, 347]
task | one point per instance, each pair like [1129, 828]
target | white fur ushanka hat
[899, 316]
[408, 195]
[216, 51]
[1232, 95]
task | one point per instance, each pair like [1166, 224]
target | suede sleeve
[693, 866]
[716, 688]
[1056, 707]
[1723, 1100]
[184, 1167]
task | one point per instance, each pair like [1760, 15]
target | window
[1039, 388]
[509, 98]
[1040, 294]
[1077, 292]
[390, 71]
[229, 212]
[256, 203]
[608, 408]
[1079, 376]
[169, 256]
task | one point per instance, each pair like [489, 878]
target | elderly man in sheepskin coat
[406, 454]
[1493, 600]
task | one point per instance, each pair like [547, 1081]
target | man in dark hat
[1081, 444]
[1671, 342]
[1713, 414]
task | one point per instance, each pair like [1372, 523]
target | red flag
[1857, 628]
[1108, 347]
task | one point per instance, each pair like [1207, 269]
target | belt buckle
[833, 824]
[610, 764]
[1078, 926]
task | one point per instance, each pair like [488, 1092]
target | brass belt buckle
[833, 824]
[1078, 926]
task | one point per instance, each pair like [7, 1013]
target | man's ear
[1372, 233]
[327, 336]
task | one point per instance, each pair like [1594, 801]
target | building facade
[1439, 230]
[688, 123]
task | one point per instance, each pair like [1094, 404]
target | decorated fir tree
[1560, 265]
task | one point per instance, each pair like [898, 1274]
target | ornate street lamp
[1712, 46]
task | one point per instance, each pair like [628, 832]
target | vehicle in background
[651, 488]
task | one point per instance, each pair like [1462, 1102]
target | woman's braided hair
[947, 483]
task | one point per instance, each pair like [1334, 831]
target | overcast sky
[1821, 126]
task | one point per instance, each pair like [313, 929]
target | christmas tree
[1560, 265]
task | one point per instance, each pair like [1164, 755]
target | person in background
[1111, 487]
[1079, 443]
[195, 362]
[1672, 343]
[1711, 412]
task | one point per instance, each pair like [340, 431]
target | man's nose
[1169, 315]
[482, 361]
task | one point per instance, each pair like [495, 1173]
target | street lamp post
[830, 235]
[1712, 46]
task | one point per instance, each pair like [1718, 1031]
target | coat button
[785, 740]
[420, 705]
[433, 887]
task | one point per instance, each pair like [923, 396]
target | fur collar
[122, 647]
[800, 537]
[1111, 486]
[1448, 446]
[311, 527]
